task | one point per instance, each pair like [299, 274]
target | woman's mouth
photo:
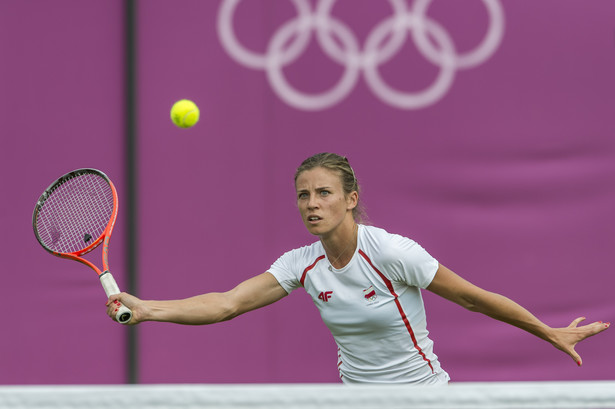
[313, 219]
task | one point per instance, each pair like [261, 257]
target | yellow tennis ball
[185, 113]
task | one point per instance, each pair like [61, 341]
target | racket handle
[110, 286]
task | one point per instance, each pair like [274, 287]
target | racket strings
[75, 213]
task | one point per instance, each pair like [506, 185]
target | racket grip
[110, 286]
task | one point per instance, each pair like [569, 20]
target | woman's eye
[324, 193]
[301, 195]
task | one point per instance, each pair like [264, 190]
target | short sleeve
[406, 261]
[283, 271]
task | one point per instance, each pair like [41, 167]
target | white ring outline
[251, 59]
[311, 101]
[393, 45]
[421, 99]
[481, 53]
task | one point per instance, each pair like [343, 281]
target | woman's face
[321, 200]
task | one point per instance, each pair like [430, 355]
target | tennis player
[366, 283]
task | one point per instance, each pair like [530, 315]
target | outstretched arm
[454, 288]
[208, 308]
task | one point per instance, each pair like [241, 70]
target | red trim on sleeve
[404, 318]
[309, 268]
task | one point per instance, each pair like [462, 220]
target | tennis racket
[75, 215]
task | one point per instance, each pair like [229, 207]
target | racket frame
[105, 235]
[107, 280]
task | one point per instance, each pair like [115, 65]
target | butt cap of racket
[123, 315]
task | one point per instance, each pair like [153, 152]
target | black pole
[131, 179]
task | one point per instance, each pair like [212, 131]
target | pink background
[508, 179]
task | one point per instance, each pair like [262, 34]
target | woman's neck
[340, 247]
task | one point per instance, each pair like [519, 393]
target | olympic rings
[292, 38]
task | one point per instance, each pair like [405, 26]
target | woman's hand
[130, 301]
[565, 339]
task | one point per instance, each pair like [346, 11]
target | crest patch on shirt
[370, 294]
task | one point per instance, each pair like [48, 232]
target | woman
[366, 283]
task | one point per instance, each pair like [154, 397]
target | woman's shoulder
[379, 236]
[399, 257]
[307, 252]
[383, 244]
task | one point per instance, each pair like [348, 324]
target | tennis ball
[185, 113]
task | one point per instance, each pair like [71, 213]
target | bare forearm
[564, 339]
[207, 308]
[506, 310]
[199, 310]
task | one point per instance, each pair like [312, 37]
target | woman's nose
[312, 202]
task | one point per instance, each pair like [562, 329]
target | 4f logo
[325, 296]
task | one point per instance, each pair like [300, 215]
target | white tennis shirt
[372, 306]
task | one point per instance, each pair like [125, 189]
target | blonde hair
[339, 164]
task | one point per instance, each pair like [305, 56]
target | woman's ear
[352, 200]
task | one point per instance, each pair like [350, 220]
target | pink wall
[61, 109]
[506, 176]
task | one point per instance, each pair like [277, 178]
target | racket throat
[108, 283]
